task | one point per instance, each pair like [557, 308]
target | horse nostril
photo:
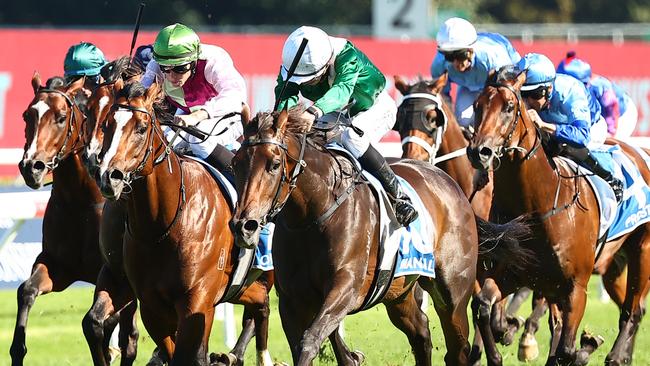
[251, 226]
[485, 151]
[38, 166]
[116, 175]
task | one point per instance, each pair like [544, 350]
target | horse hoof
[223, 359]
[113, 353]
[475, 356]
[359, 357]
[588, 340]
[156, 358]
[528, 349]
[514, 324]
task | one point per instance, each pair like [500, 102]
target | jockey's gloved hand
[186, 119]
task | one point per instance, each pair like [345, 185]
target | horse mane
[135, 89]
[422, 86]
[503, 74]
[266, 120]
[55, 82]
[122, 68]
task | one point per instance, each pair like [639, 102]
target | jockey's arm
[290, 95]
[230, 86]
[438, 68]
[338, 96]
[610, 110]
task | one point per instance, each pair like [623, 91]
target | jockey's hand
[191, 119]
[308, 116]
[544, 126]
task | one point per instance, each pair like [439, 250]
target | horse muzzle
[480, 156]
[33, 172]
[112, 183]
[246, 231]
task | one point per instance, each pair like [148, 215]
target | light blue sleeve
[438, 67]
[576, 107]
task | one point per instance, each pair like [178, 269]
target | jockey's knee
[355, 144]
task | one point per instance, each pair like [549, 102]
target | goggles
[459, 55]
[538, 93]
[180, 69]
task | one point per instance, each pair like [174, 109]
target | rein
[61, 154]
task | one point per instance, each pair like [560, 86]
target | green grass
[54, 335]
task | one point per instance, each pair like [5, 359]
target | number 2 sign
[405, 19]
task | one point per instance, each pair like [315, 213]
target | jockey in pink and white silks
[202, 83]
[331, 73]
[468, 57]
[617, 107]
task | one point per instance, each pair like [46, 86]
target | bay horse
[178, 249]
[565, 236]
[423, 115]
[325, 248]
[53, 142]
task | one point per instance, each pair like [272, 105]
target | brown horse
[71, 222]
[178, 250]
[565, 236]
[326, 246]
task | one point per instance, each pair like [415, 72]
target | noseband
[431, 102]
[276, 205]
[60, 155]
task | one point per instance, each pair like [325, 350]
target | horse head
[52, 128]
[266, 168]
[498, 110]
[422, 117]
[99, 104]
[131, 138]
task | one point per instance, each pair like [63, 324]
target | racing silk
[491, 51]
[216, 86]
[353, 76]
[572, 109]
[603, 91]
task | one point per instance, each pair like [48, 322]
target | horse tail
[501, 243]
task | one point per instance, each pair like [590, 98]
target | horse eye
[60, 119]
[141, 129]
[275, 165]
[510, 107]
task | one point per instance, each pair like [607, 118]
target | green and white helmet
[176, 45]
[83, 59]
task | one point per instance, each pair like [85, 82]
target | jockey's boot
[616, 184]
[220, 158]
[375, 164]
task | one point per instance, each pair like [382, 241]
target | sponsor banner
[258, 56]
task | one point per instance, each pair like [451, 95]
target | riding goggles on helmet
[459, 55]
[180, 69]
[538, 93]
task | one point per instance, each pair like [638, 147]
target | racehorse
[566, 229]
[178, 249]
[430, 132]
[70, 224]
[326, 246]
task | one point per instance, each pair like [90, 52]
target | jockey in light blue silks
[619, 110]
[468, 57]
[561, 106]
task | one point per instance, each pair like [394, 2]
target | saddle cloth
[250, 262]
[617, 220]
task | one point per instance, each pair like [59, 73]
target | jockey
[563, 108]
[84, 60]
[468, 57]
[619, 110]
[331, 73]
[201, 82]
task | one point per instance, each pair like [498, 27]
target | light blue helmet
[575, 67]
[540, 71]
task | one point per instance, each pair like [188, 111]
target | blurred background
[398, 35]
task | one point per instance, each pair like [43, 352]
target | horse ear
[152, 93]
[245, 114]
[119, 85]
[401, 85]
[281, 122]
[440, 83]
[521, 79]
[491, 76]
[36, 81]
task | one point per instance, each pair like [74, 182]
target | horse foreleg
[514, 322]
[528, 347]
[573, 309]
[97, 326]
[637, 285]
[342, 353]
[195, 317]
[128, 336]
[41, 282]
[412, 321]
[477, 345]
[161, 326]
[488, 295]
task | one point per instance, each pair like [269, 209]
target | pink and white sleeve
[227, 81]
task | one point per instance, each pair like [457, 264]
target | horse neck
[523, 185]
[460, 168]
[156, 197]
[72, 183]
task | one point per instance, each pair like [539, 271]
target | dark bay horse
[325, 265]
[525, 183]
[54, 141]
[178, 249]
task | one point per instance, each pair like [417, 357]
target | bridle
[505, 148]
[61, 154]
[277, 204]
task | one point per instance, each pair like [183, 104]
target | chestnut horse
[565, 236]
[326, 246]
[54, 140]
[178, 249]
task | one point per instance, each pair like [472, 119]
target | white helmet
[455, 34]
[313, 62]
